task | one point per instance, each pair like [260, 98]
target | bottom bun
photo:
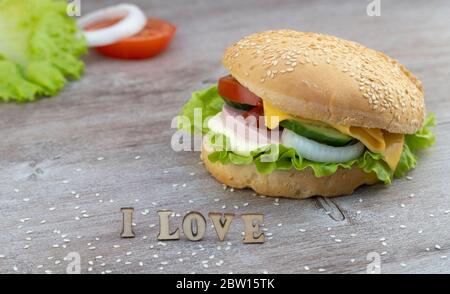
[292, 183]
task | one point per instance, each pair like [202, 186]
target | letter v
[221, 223]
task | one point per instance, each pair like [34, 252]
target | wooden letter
[191, 220]
[252, 233]
[221, 223]
[164, 227]
[127, 224]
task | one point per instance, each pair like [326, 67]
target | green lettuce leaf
[287, 158]
[422, 139]
[39, 49]
[206, 103]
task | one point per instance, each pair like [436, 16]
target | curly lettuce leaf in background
[39, 49]
[211, 103]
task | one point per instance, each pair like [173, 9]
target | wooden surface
[69, 163]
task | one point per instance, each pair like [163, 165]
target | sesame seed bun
[324, 78]
[290, 184]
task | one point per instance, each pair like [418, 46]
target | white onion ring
[133, 22]
[244, 135]
[318, 152]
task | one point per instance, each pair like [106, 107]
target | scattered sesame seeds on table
[69, 163]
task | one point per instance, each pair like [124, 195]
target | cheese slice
[273, 116]
[388, 144]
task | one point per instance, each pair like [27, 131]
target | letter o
[191, 220]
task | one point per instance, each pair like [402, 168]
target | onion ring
[132, 22]
[318, 152]
[243, 133]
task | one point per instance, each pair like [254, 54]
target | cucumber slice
[239, 106]
[319, 133]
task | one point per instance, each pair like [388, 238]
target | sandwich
[305, 114]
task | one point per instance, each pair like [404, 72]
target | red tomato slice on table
[229, 88]
[152, 40]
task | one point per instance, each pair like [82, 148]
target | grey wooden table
[69, 163]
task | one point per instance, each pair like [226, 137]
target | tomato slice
[229, 88]
[152, 40]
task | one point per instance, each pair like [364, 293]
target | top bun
[324, 78]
